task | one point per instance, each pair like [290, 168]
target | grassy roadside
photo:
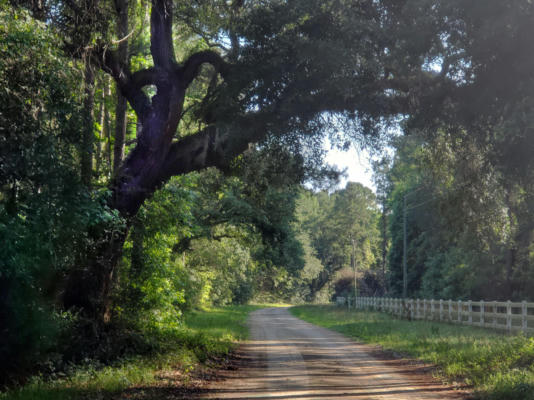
[499, 367]
[205, 335]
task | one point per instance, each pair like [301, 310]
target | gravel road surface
[287, 358]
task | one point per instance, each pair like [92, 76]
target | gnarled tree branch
[129, 85]
[191, 67]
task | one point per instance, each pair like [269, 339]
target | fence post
[460, 311]
[470, 309]
[432, 310]
[424, 308]
[441, 309]
[482, 311]
[509, 316]
[450, 310]
[524, 321]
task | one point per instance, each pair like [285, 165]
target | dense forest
[162, 156]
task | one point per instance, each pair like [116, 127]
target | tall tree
[315, 68]
[121, 117]
[88, 134]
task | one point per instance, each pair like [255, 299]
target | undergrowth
[204, 335]
[497, 366]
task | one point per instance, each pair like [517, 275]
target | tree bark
[89, 284]
[510, 258]
[384, 232]
[121, 109]
[106, 129]
[88, 133]
[137, 257]
[101, 134]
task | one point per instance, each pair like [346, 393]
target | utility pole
[354, 265]
[404, 257]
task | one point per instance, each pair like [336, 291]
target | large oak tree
[277, 70]
[283, 70]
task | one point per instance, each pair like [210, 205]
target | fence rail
[507, 316]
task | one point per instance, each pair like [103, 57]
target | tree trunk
[137, 236]
[384, 231]
[88, 286]
[101, 134]
[106, 129]
[157, 155]
[88, 133]
[121, 119]
[510, 258]
[120, 132]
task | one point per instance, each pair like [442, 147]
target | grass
[205, 335]
[499, 367]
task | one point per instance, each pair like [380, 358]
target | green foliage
[468, 229]
[45, 213]
[205, 335]
[498, 366]
[208, 239]
[339, 231]
[339, 68]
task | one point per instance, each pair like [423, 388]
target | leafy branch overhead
[321, 63]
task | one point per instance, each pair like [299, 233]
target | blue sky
[357, 163]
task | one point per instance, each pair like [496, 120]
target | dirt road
[287, 358]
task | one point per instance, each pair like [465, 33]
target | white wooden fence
[508, 316]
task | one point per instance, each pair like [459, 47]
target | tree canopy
[152, 157]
